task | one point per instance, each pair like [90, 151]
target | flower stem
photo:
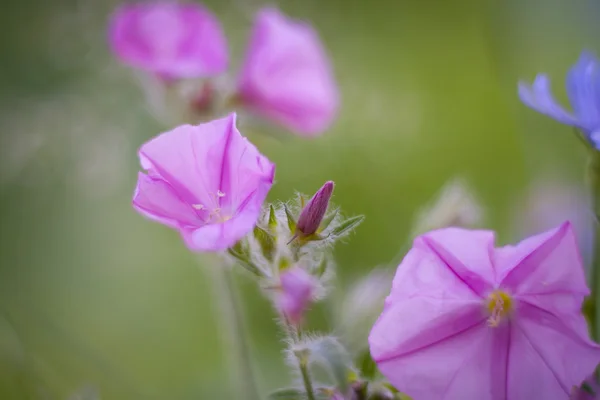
[293, 335]
[307, 381]
[233, 318]
[593, 308]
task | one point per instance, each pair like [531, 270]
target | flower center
[214, 213]
[499, 304]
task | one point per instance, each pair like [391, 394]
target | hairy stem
[233, 319]
[293, 336]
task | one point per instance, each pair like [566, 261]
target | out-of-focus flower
[286, 75]
[207, 181]
[296, 293]
[583, 88]
[466, 320]
[169, 39]
[548, 203]
[312, 214]
[456, 206]
[360, 307]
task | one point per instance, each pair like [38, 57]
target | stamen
[198, 206]
[499, 305]
[220, 194]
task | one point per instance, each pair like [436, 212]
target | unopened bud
[297, 291]
[314, 211]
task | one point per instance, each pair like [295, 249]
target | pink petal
[191, 158]
[170, 39]
[420, 343]
[424, 273]
[468, 254]
[546, 263]
[245, 173]
[482, 374]
[558, 351]
[220, 236]
[286, 75]
[547, 356]
[157, 200]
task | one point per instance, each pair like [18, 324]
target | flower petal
[544, 264]
[423, 274]
[157, 200]
[582, 88]
[414, 343]
[221, 236]
[286, 74]
[560, 357]
[245, 173]
[169, 39]
[191, 159]
[539, 97]
[469, 258]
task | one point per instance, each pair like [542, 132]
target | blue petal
[594, 138]
[539, 97]
[583, 88]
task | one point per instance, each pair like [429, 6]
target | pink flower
[466, 320]
[297, 291]
[169, 39]
[286, 75]
[207, 181]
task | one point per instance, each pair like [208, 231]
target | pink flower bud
[286, 75]
[169, 39]
[297, 290]
[313, 213]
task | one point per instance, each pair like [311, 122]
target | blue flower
[583, 89]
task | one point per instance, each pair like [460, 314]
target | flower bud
[314, 211]
[297, 290]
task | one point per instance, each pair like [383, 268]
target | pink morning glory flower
[466, 320]
[296, 293]
[206, 181]
[172, 40]
[286, 76]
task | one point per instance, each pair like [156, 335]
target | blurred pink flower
[297, 291]
[287, 76]
[169, 39]
[466, 320]
[207, 181]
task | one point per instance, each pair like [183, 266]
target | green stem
[233, 317]
[592, 306]
[293, 335]
[307, 381]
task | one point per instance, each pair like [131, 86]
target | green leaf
[290, 219]
[322, 267]
[328, 219]
[272, 219]
[347, 226]
[287, 394]
[368, 368]
[266, 241]
[245, 262]
[329, 352]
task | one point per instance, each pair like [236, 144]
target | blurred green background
[93, 294]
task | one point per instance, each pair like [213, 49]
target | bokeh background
[94, 296]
